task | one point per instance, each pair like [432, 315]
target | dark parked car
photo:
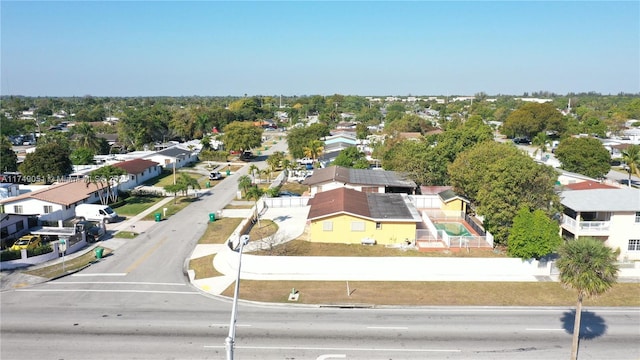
[522, 141]
[247, 156]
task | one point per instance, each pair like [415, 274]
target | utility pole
[229, 342]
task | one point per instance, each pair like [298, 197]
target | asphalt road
[138, 304]
[107, 319]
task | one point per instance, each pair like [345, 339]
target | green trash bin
[208, 184]
[158, 217]
[99, 251]
[212, 217]
[228, 172]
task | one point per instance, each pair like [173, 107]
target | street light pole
[229, 342]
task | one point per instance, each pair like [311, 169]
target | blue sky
[215, 48]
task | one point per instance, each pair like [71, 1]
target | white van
[96, 212]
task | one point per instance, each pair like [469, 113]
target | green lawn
[173, 207]
[167, 179]
[137, 204]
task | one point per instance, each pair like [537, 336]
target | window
[378, 226]
[18, 209]
[357, 226]
[48, 209]
[634, 245]
[327, 226]
[19, 226]
[638, 217]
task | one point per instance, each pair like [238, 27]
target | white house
[138, 171]
[54, 203]
[173, 156]
[611, 215]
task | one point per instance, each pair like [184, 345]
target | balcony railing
[586, 227]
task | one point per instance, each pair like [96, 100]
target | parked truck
[96, 212]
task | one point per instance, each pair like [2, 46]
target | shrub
[39, 250]
[10, 255]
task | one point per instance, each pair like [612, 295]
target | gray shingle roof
[174, 152]
[359, 177]
[602, 200]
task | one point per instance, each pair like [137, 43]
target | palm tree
[86, 136]
[589, 266]
[314, 149]
[253, 169]
[206, 142]
[540, 141]
[267, 173]
[187, 182]
[631, 157]
[255, 193]
[244, 183]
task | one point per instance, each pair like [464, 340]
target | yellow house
[452, 201]
[348, 216]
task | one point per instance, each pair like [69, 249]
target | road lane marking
[332, 356]
[98, 274]
[227, 325]
[145, 256]
[113, 282]
[404, 350]
[541, 329]
[388, 327]
[110, 291]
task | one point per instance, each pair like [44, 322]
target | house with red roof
[54, 203]
[138, 171]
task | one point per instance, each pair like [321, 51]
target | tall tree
[107, 180]
[299, 138]
[588, 266]
[499, 180]
[242, 136]
[631, 157]
[532, 118]
[586, 156]
[351, 157]
[8, 158]
[48, 162]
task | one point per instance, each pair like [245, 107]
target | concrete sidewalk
[131, 223]
[291, 224]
